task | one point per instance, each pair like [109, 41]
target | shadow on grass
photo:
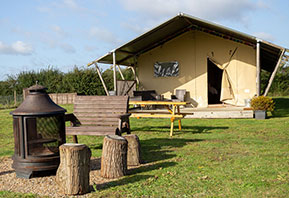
[201, 129]
[185, 129]
[132, 178]
[152, 150]
[157, 149]
[124, 181]
[281, 107]
[150, 167]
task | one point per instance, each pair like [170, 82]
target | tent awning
[127, 54]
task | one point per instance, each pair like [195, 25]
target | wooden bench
[98, 115]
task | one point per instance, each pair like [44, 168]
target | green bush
[83, 81]
[280, 85]
[263, 103]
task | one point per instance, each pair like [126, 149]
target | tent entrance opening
[214, 83]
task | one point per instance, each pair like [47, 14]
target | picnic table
[173, 112]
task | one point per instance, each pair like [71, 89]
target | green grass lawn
[208, 158]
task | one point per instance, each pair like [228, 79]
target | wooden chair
[98, 115]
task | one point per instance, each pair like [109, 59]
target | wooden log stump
[114, 157]
[72, 175]
[133, 150]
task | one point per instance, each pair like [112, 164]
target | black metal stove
[39, 130]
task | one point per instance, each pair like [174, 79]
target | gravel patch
[43, 186]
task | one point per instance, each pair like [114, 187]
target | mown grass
[16, 195]
[208, 158]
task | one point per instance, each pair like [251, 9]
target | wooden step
[220, 114]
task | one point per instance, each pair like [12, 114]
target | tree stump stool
[72, 175]
[133, 150]
[114, 157]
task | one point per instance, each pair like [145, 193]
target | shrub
[84, 81]
[263, 103]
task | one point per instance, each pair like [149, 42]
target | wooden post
[134, 73]
[114, 73]
[274, 73]
[56, 101]
[258, 67]
[25, 93]
[114, 157]
[73, 172]
[133, 150]
[122, 77]
[15, 98]
[75, 140]
[101, 79]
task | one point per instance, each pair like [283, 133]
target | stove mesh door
[44, 135]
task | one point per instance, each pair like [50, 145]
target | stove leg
[26, 174]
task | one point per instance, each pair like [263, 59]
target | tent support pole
[120, 72]
[258, 65]
[114, 73]
[133, 68]
[274, 73]
[134, 73]
[101, 79]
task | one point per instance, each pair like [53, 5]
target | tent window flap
[226, 87]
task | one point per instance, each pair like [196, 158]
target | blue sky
[66, 33]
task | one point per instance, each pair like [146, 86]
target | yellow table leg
[172, 128]
[168, 108]
[180, 123]
[172, 120]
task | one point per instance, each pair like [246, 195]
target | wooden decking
[226, 112]
[214, 111]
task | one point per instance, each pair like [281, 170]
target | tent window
[165, 69]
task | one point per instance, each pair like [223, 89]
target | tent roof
[126, 54]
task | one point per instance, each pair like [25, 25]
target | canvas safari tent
[213, 63]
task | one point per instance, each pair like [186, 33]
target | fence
[11, 100]
[14, 100]
[63, 98]
[58, 98]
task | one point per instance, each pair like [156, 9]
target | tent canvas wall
[190, 42]
[192, 50]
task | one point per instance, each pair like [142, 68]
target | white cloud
[54, 7]
[91, 48]
[67, 48]
[207, 9]
[59, 31]
[44, 9]
[52, 41]
[16, 48]
[71, 4]
[104, 35]
[135, 27]
[21, 31]
[264, 36]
